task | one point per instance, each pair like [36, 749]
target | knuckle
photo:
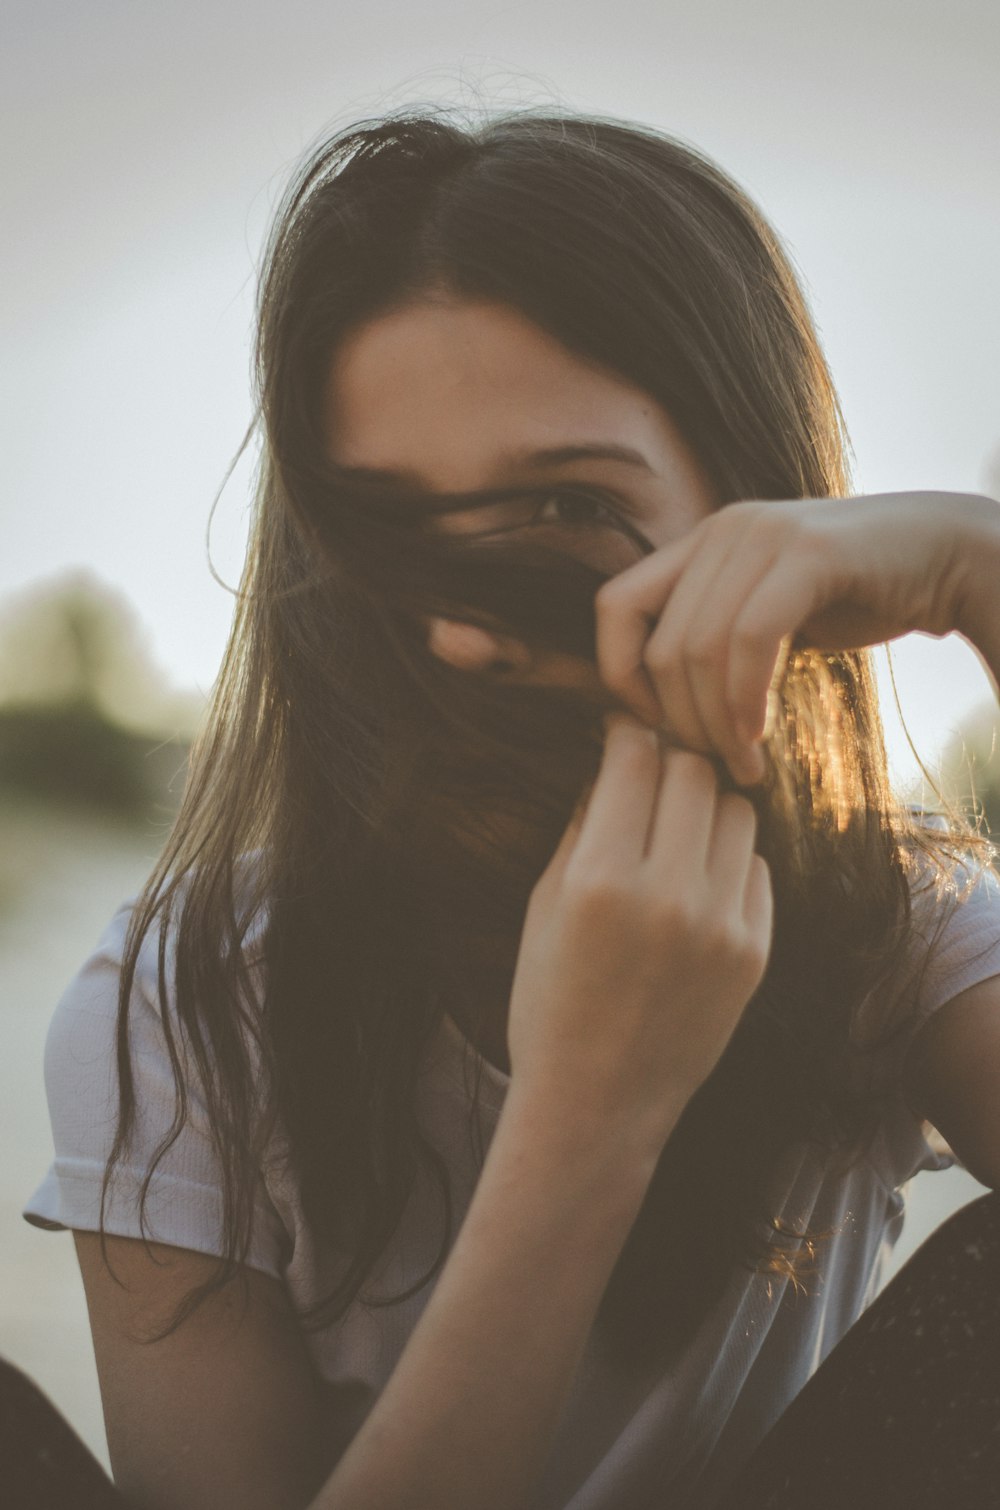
[806, 536]
[612, 595]
[660, 654]
[748, 632]
[707, 650]
[715, 941]
[617, 673]
[749, 942]
[632, 752]
[771, 525]
[760, 877]
[736, 808]
[755, 956]
[593, 891]
[635, 740]
[640, 759]
[690, 766]
[741, 947]
[677, 913]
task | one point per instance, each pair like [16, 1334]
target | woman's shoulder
[85, 1020]
[168, 1175]
[954, 933]
[83, 1023]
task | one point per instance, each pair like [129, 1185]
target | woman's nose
[469, 647]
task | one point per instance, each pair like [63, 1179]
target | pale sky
[145, 145]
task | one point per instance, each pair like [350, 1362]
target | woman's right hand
[644, 939]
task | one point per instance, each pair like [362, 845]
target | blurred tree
[75, 640]
[85, 713]
[970, 768]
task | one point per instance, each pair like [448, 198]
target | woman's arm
[226, 1411]
[951, 1077]
[694, 636]
[978, 617]
[470, 1410]
[644, 939]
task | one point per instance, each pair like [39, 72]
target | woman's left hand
[693, 637]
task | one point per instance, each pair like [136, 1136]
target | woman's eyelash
[577, 510]
[608, 514]
[524, 512]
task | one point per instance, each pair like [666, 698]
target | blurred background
[144, 147]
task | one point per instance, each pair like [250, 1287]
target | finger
[694, 653]
[758, 901]
[627, 608]
[618, 818]
[782, 600]
[731, 849]
[685, 813]
[551, 878]
[678, 653]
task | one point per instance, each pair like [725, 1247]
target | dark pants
[43, 1463]
[904, 1414]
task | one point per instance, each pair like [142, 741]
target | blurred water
[61, 878]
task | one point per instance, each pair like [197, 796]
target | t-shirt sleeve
[959, 941]
[955, 945]
[184, 1199]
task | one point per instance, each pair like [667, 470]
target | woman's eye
[584, 518]
[573, 509]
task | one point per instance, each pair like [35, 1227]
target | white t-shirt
[626, 1439]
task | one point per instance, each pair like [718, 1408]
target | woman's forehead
[446, 388]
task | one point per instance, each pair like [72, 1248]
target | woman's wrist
[468, 1414]
[625, 1146]
[978, 607]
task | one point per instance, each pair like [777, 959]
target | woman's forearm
[468, 1415]
[980, 610]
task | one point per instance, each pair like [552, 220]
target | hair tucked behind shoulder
[399, 811]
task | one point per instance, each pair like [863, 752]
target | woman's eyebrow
[549, 456]
[554, 456]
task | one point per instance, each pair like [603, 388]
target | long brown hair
[362, 825]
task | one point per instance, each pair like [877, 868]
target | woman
[517, 1052]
